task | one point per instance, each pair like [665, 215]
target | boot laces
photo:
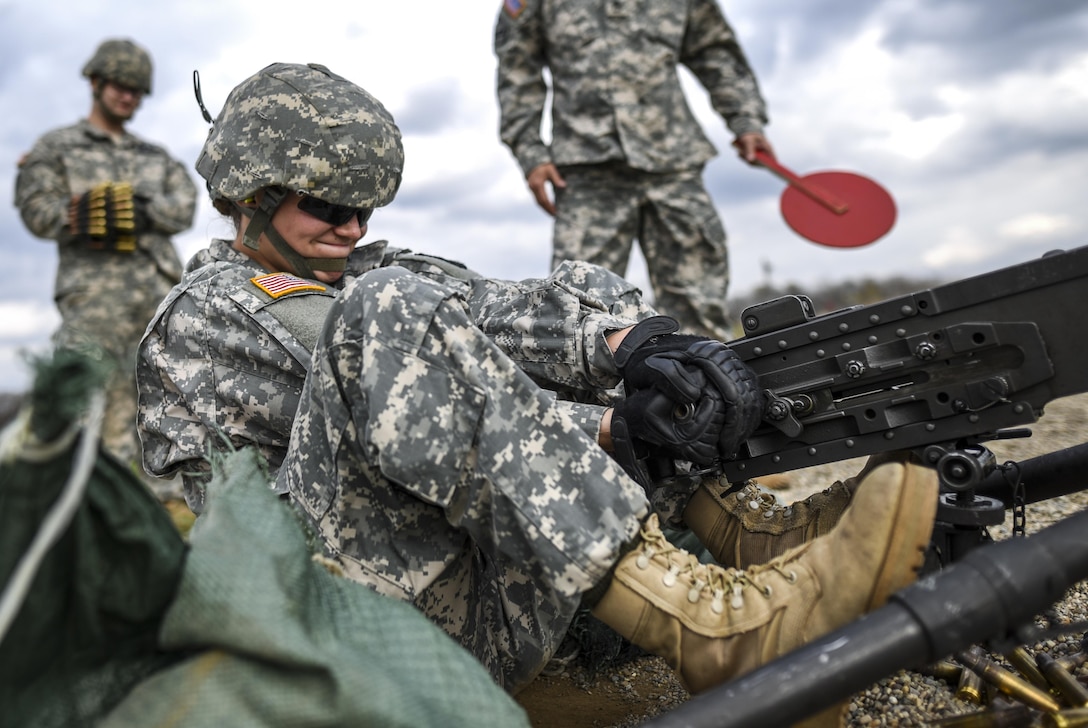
[758, 499]
[709, 579]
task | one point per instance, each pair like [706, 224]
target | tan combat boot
[713, 624]
[751, 526]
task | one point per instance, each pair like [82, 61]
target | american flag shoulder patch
[280, 284]
[513, 8]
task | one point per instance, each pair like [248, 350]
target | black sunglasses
[333, 214]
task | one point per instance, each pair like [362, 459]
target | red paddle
[837, 209]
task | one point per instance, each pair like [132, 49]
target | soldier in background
[626, 156]
[111, 201]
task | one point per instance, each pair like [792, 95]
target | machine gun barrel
[959, 361]
[991, 593]
[1045, 476]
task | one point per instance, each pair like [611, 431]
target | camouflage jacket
[616, 92]
[70, 161]
[224, 360]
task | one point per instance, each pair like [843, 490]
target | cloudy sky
[972, 113]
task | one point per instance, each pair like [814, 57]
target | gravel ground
[627, 695]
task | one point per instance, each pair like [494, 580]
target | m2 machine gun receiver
[937, 372]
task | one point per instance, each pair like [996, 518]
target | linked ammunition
[1069, 687]
[1072, 662]
[1014, 717]
[944, 670]
[969, 689]
[1006, 681]
[1023, 661]
[1071, 718]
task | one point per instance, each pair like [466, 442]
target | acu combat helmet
[123, 62]
[302, 129]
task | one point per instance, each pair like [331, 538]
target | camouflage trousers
[605, 208]
[436, 472]
[107, 323]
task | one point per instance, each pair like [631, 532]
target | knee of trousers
[394, 304]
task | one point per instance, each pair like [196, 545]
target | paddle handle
[821, 196]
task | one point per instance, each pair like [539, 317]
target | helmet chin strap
[260, 222]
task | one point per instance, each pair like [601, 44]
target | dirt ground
[624, 696]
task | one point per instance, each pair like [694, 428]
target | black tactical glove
[688, 368]
[688, 431]
[108, 217]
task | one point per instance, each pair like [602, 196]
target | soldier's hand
[748, 144]
[539, 178]
[688, 369]
[689, 431]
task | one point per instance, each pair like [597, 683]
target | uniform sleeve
[211, 379]
[586, 416]
[41, 192]
[172, 212]
[522, 91]
[174, 379]
[554, 328]
[713, 53]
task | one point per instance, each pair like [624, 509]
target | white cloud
[1038, 225]
[916, 139]
[958, 246]
[24, 320]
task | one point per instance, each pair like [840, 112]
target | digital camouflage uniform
[439, 471]
[445, 445]
[223, 361]
[624, 137]
[107, 297]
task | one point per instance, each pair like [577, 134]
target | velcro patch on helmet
[281, 284]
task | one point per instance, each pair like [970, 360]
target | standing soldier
[626, 156]
[111, 201]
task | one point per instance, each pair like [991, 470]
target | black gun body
[953, 363]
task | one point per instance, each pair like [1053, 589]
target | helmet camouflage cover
[305, 129]
[123, 62]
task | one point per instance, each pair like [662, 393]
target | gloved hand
[688, 368]
[689, 431]
[108, 217]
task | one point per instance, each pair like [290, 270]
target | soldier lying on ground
[450, 447]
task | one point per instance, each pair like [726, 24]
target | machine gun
[938, 372]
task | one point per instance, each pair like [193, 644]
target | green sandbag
[87, 628]
[293, 644]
